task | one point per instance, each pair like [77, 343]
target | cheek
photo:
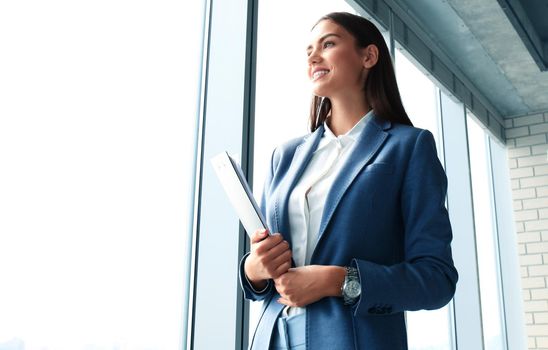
[345, 65]
[355, 67]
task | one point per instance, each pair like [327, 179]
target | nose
[314, 57]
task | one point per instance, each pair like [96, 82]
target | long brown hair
[380, 88]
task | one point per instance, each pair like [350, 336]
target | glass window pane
[427, 330]
[418, 93]
[97, 130]
[486, 237]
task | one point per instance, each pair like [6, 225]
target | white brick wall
[527, 140]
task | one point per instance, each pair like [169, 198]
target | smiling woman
[335, 262]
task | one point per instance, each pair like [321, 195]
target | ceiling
[500, 45]
[529, 20]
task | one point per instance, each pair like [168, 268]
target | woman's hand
[270, 257]
[304, 285]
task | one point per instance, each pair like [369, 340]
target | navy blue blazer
[386, 215]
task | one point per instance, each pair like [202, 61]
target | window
[98, 130]
[426, 329]
[419, 95]
[97, 142]
[486, 237]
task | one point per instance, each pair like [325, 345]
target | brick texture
[527, 142]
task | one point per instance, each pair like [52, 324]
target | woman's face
[335, 65]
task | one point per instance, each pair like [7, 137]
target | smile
[319, 74]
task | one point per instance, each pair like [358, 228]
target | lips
[319, 72]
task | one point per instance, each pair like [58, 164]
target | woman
[359, 206]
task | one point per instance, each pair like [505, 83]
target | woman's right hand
[269, 258]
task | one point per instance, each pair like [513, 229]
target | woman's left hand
[304, 285]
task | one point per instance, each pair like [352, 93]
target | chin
[317, 91]
[324, 88]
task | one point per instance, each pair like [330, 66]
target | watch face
[353, 289]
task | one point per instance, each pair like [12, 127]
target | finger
[268, 243]
[282, 301]
[285, 302]
[277, 250]
[284, 257]
[276, 281]
[259, 235]
[283, 268]
[271, 265]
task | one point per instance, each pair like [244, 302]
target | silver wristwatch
[351, 288]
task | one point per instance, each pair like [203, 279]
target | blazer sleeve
[250, 292]
[427, 278]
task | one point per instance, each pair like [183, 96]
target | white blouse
[306, 201]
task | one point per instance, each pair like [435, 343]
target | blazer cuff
[364, 305]
[355, 306]
[249, 291]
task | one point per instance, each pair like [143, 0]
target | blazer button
[375, 310]
[379, 310]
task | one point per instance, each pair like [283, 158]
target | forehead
[326, 27]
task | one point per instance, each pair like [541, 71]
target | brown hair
[380, 88]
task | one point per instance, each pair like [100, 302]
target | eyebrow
[323, 38]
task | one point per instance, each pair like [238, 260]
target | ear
[370, 56]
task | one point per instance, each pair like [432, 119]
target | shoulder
[286, 150]
[409, 145]
[407, 132]
[283, 153]
[289, 146]
[400, 133]
[421, 156]
[411, 137]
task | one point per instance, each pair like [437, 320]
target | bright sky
[97, 105]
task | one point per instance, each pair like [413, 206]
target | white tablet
[239, 194]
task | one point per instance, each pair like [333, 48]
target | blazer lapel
[367, 145]
[301, 158]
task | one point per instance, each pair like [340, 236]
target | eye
[327, 44]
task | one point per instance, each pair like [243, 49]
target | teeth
[319, 73]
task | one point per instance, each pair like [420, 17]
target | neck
[346, 111]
